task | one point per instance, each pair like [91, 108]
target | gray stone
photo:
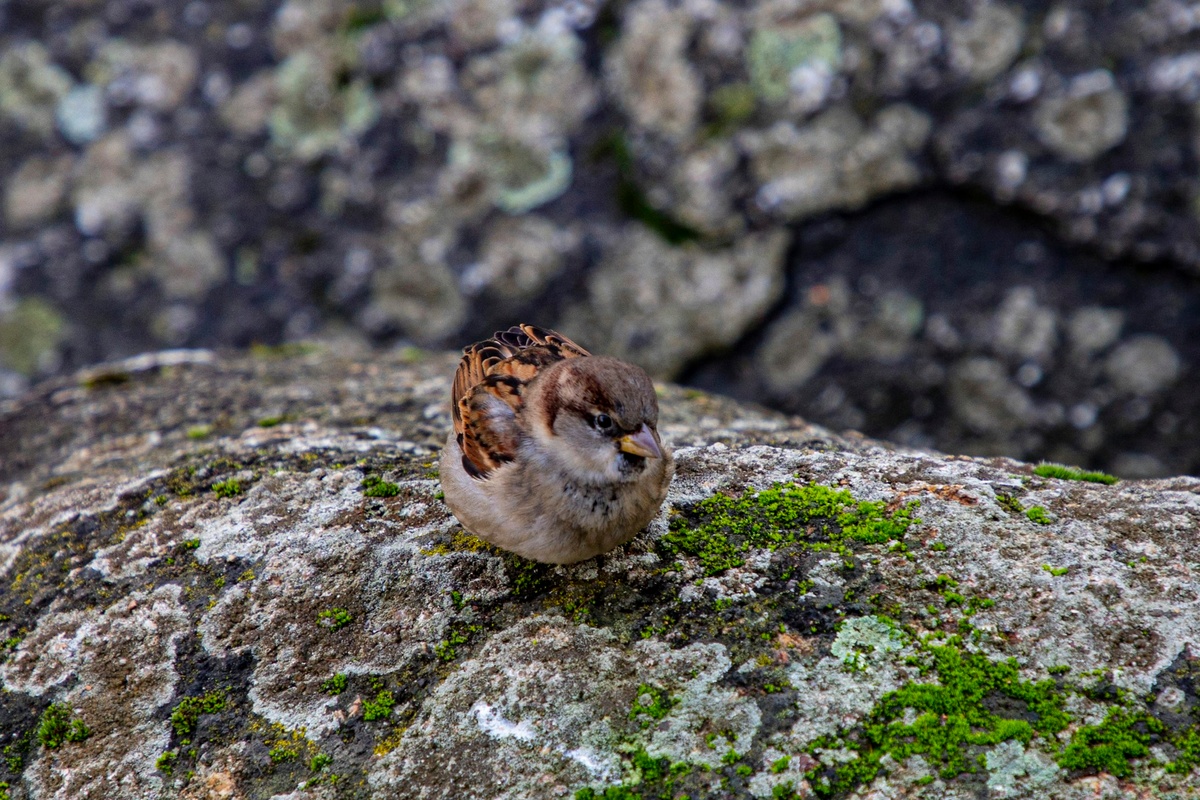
[1143, 364]
[132, 584]
[663, 305]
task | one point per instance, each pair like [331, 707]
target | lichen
[775, 54]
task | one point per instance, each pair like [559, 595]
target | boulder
[232, 576]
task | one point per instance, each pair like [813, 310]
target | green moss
[320, 761]
[948, 719]
[227, 488]
[191, 544]
[938, 547]
[651, 702]
[1188, 746]
[187, 714]
[166, 762]
[378, 707]
[1010, 504]
[1047, 470]
[1107, 747]
[647, 777]
[335, 685]
[1056, 571]
[722, 529]
[374, 486]
[14, 754]
[1038, 514]
[271, 422]
[282, 752]
[335, 618]
[199, 431]
[57, 726]
[446, 649]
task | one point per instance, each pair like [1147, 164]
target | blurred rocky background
[973, 226]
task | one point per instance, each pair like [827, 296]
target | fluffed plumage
[555, 453]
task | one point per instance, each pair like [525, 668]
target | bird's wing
[486, 394]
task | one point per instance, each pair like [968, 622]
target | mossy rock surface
[809, 616]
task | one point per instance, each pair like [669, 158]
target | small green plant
[1056, 571]
[1038, 514]
[652, 702]
[1009, 503]
[271, 422]
[335, 618]
[445, 650]
[938, 547]
[320, 761]
[227, 488]
[375, 486]
[191, 544]
[1107, 747]
[282, 752]
[56, 726]
[166, 762]
[780, 765]
[187, 714]
[335, 685]
[199, 431]
[1048, 470]
[379, 707]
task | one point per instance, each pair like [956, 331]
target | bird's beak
[640, 443]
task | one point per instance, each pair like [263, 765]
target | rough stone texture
[186, 524]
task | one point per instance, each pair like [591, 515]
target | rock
[313, 113]
[1143, 364]
[30, 332]
[519, 257]
[650, 73]
[1024, 329]
[835, 162]
[202, 601]
[985, 398]
[81, 114]
[984, 45]
[31, 86]
[1092, 328]
[1091, 117]
[35, 193]
[663, 306]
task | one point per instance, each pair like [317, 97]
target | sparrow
[555, 454]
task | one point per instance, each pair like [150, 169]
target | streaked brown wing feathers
[498, 369]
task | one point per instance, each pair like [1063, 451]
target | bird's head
[597, 417]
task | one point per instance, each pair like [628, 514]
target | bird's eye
[602, 422]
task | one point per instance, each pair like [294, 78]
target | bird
[555, 453]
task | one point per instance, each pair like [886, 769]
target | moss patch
[58, 726]
[721, 530]
[374, 486]
[187, 714]
[1047, 470]
[943, 722]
